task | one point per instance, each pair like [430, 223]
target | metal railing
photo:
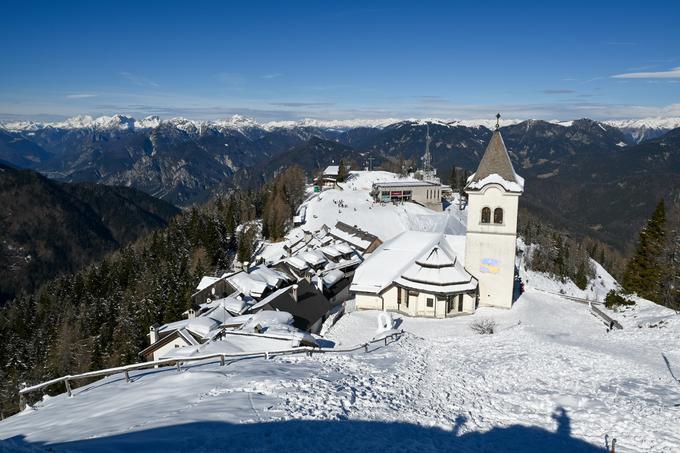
[608, 321]
[177, 362]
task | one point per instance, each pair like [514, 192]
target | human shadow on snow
[326, 436]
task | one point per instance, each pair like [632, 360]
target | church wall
[368, 302]
[469, 303]
[417, 305]
[422, 308]
[390, 298]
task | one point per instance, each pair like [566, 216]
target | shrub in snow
[483, 326]
[614, 299]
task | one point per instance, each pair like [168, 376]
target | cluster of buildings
[439, 275]
[282, 300]
[275, 303]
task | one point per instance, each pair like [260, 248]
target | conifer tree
[644, 270]
[342, 171]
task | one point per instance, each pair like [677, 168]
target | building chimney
[295, 292]
[153, 334]
[246, 266]
[191, 313]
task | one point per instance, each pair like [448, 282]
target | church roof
[496, 167]
[423, 261]
[438, 267]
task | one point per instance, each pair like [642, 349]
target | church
[440, 275]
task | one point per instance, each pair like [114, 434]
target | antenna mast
[428, 172]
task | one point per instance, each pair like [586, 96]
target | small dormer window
[498, 216]
[486, 215]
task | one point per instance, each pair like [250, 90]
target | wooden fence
[177, 362]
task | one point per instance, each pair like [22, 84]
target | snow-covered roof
[313, 257]
[248, 285]
[343, 247]
[332, 277]
[404, 183]
[332, 170]
[297, 262]
[271, 277]
[234, 303]
[395, 257]
[200, 326]
[510, 186]
[438, 270]
[332, 251]
[496, 168]
[205, 282]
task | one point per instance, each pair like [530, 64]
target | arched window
[486, 215]
[498, 215]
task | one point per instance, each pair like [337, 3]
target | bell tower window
[498, 215]
[486, 215]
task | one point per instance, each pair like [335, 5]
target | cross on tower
[498, 120]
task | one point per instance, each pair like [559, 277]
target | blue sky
[287, 60]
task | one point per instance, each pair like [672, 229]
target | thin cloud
[232, 80]
[619, 43]
[558, 91]
[138, 80]
[301, 104]
[81, 96]
[274, 75]
[670, 74]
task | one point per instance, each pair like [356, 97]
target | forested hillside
[49, 228]
[99, 317]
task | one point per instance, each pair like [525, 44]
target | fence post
[127, 376]
[266, 355]
[222, 360]
[366, 347]
[179, 367]
[68, 387]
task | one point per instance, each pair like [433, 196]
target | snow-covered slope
[551, 379]
[354, 206]
[646, 128]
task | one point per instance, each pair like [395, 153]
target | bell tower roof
[495, 167]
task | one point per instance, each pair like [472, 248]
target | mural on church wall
[490, 266]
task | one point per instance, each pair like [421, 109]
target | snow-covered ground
[385, 220]
[353, 205]
[549, 379]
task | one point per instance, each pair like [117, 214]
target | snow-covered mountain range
[238, 122]
[641, 127]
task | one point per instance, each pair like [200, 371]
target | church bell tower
[493, 194]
